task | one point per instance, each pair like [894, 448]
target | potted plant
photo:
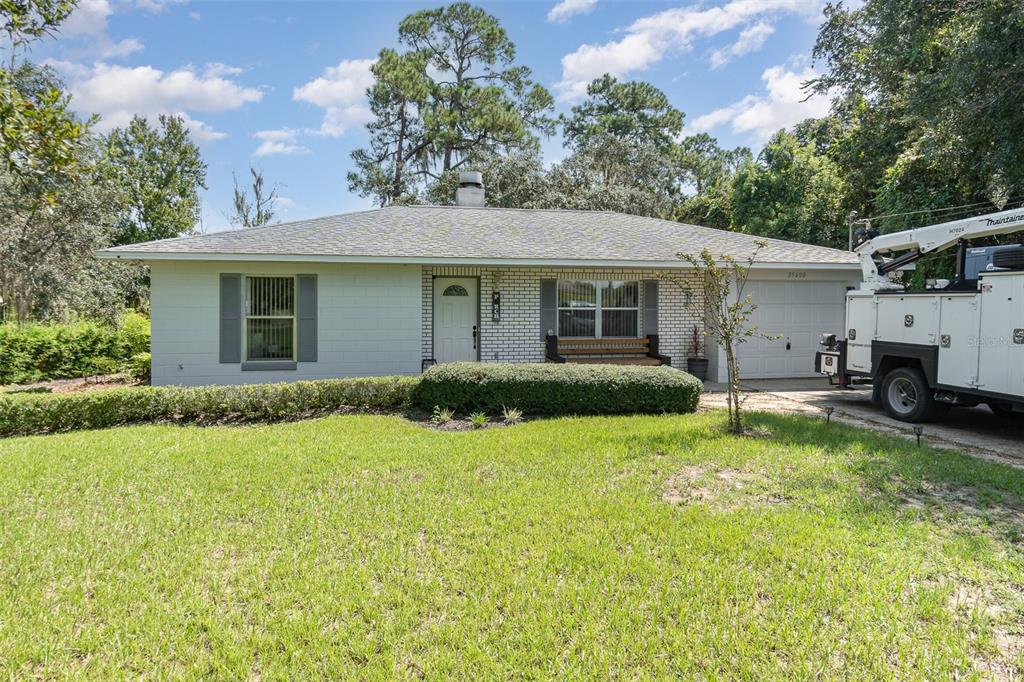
[696, 363]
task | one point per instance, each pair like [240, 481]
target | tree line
[926, 113]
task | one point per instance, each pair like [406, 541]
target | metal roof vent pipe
[471, 189]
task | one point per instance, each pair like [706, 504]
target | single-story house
[393, 290]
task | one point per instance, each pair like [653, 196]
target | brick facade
[517, 336]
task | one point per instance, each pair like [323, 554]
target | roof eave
[395, 260]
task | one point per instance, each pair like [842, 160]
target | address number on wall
[796, 274]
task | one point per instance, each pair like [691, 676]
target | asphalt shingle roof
[482, 234]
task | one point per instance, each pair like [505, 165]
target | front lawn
[371, 547]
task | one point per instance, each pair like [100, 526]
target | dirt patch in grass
[721, 489]
[1000, 607]
[961, 500]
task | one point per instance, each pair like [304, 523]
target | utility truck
[958, 343]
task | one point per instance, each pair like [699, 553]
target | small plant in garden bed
[511, 415]
[442, 415]
[479, 420]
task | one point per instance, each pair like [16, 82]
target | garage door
[797, 312]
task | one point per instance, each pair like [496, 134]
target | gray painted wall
[369, 321]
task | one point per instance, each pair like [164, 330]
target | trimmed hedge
[555, 389]
[38, 352]
[543, 389]
[29, 413]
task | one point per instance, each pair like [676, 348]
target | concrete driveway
[975, 430]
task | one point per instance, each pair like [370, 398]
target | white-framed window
[598, 309]
[269, 318]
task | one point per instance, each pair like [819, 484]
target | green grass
[370, 547]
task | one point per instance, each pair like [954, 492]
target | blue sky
[281, 85]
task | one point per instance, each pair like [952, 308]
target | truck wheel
[907, 397]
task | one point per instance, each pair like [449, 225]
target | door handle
[474, 337]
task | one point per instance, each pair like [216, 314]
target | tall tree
[791, 193]
[454, 94]
[51, 222]
[258, 210]
[161, 172]
[927, 95]
[621, 124]
[704, 173]
[40, 137]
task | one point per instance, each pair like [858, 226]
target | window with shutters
[598, 309]
[269, 318]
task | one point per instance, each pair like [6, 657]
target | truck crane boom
[928, 239]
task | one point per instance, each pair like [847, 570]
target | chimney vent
[471, 189]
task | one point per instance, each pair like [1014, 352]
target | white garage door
[798, 313]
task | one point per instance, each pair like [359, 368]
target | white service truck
[959, 343]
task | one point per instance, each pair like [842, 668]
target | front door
[455, 319]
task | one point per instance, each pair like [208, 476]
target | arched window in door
[455, 290]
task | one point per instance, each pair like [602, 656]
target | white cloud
[280, 141]
[117, 93]
[783, 104]
[650, 39]
[155, 6]
[68, 69]
[88, 18]
[341, 92]
[751, 39]
[220, 70]
[104, 48]
[89, 21]
[565, 9]
[201, 132]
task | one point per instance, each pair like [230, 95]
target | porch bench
[638, 351]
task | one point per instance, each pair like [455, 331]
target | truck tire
[1012, 259]
[907, 397]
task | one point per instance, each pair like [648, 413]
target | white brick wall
[517, 337]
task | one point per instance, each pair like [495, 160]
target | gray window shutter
[548, 307]
[650, 306]
[306, 315]
[230, 318]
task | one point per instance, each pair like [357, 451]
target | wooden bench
[639, 351]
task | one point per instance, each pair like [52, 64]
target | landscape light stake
[918, 430]
[828, 414]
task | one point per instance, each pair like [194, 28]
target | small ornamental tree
[719, 296]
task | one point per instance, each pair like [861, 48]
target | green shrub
[38, 352]
[25, 414]
[138, 366]
[552, 389]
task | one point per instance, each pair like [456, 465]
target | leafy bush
[138, 366]
[24, 414]
[37, 352]
[553, 389]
